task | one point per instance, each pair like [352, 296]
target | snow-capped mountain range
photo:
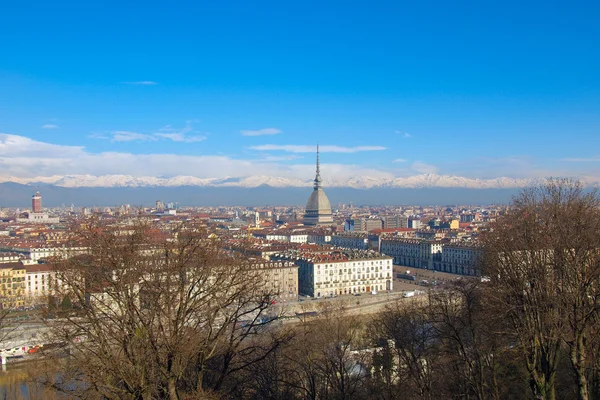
[363, 182]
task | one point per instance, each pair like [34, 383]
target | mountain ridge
[363, 182]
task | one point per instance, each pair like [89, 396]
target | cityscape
[300, 201]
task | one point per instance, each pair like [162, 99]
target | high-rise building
[36, 203]
[318, 208]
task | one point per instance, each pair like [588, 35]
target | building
[38, 284]
[351, 240]
[282, 236]
[12, 285]
[460, 259]
[36, 203]
[319, 237]
[365, 224]
[395, 222]
[340, 272]
[33, 252]
[318, 209]
[412, 252]
[37, 216]
[280, 277]
[414, 223]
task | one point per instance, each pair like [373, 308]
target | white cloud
[125, 136]
[179, 135]
[261, 132]
[423, 168]
[405, 135]
[141, 83]
[20, 146]
[291, 148]
[281, 158]
[50, 126]
[26, 160]
[167, 132]
[399, 160]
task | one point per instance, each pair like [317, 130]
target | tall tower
[36, 202]
[318, 208]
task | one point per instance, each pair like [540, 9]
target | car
[374, 292]
[356, 294]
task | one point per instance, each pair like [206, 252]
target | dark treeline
[190, 321]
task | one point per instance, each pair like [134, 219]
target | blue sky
[474, 89]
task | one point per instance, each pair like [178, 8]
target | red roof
[39, 268]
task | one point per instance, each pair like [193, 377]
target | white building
[319, 238]
[341, 272]
[39, 282]
[352, 240]
[412, 252]
[33, 252]
[280, 278]
[283, 235]
[37, 218]
[460, 259]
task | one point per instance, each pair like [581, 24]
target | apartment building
[351, 240]
[39, 282]
[280, 277]
[412, 252]
[340, 272]
[12, 285]
[460, 259]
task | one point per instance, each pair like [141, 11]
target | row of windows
[364, 269]
[353, 277]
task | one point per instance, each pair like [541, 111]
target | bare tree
[543, 261]
[154, 310]
[468, 337]
[415, 345]
[339, 338]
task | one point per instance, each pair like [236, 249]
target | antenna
[318, 169]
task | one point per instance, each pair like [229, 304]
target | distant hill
[19, 195]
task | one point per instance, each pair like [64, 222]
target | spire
[318, 171]
[318, 176]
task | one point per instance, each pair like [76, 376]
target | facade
[36, 203]
[365, 224]
[38, 282]
[459, 259]
[318, 209]
[12, 285]
[319, 238]
[395, 222]
[412, 252]
[33, 252]
[351, 240]
[341, 272]
[427, 254]
[38, 218]
[414, 223]
[281, 278]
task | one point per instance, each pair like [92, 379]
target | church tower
[318, 208]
